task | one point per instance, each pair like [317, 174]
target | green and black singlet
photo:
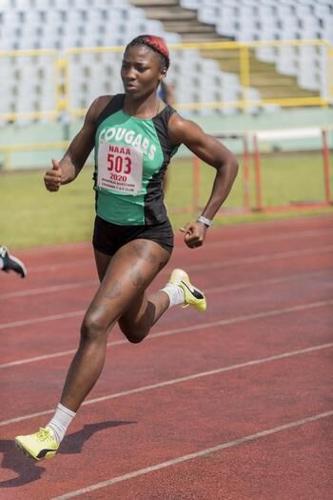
[131, 157]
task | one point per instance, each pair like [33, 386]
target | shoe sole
[25, 452]
[49, 455]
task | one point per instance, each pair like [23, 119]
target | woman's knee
[133, 334]
[93, 327]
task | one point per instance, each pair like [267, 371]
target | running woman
[134, 135]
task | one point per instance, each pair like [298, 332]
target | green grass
[288, 179]
[31, 216]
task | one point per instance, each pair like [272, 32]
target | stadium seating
[251, 20]
[267, 19]
[28, 81]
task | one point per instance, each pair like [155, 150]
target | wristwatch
[205, 221]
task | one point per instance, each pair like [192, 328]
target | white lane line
[271, 281]
[79, 284]
[31, 321]
[229, 241]
[86, 262]
[262, 258]
[195, 455]
[48, 289]
[60, 354]
[190, 328]
[179, 380]
[274, 237]
[226, 263]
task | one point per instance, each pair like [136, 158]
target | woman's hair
[156, 43]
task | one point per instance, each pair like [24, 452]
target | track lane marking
[198, 454]
[178, 380]
[262, 258]
[33, 321]
[76, 284]
[190, 328]
[232, 240]
[77, 313]
[48, 289]
[86, 260]
[274, 237]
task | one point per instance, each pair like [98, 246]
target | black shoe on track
[11, 263]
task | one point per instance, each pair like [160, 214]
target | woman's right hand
[52, 178]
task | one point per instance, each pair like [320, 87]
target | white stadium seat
[247, 20]
[50, 24]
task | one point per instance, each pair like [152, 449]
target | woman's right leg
[123, 280]
[127, 275]
[89, 359]
[83, 372]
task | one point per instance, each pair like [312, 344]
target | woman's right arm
[69, 167]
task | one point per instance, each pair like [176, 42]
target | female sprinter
[134, 135]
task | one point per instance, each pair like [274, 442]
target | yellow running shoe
[193, 296]
[40, 445]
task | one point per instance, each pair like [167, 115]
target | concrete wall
[283, 119]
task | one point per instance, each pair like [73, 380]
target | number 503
[119, 164]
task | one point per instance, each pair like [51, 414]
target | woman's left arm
[211, 151]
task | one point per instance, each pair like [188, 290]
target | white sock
[175, 294]
[60, 422]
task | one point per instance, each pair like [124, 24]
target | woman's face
[140, 71]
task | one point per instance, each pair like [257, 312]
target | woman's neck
[145, 107]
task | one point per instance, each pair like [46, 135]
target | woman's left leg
[145, 309]
[142, 314]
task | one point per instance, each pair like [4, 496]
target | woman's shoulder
[106, 104]
[101, 102]
[176, 122]
[180, 129]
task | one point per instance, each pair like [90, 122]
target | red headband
[157, 43]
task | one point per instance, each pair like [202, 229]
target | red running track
[233, 404]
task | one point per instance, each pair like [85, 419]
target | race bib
[119, 168]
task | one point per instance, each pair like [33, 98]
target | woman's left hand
[194, 234]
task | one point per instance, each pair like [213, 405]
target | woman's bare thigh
[125, 277]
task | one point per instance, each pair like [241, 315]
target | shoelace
[43, 434]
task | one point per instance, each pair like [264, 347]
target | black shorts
[108, 237]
